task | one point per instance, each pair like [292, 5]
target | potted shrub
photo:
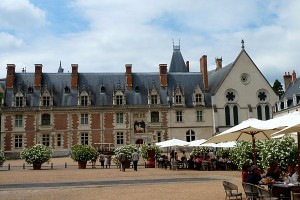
[2, 158]
[82, 154]
[36, 155]
[127, 150]
[149, 153]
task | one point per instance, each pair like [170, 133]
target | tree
[278, 89]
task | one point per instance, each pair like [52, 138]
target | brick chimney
[287, 78]
[203, 69]
[38, 76]
[218, 63]
[74, 81]
[187, 66]
[10, 76]
[129, 76]
[294, 77]
[163, 75]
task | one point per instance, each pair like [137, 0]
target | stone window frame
[18, 122]
[119, 118]
[153, 96]
[198, 96]
[120, 138]
[84, 138]
[46, 139]
[190, 135]
[18, 147]
[84, 119]
[199, 115]
[179, 115]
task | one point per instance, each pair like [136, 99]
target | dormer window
[19, 101]
[30, 90]
[198, 98]
[46, 100]
[153, 99]
[67, 89]
[119, 99]
[137, 89]
[84, 100]
[102, 89]
[153, 95]
[178, 99]
[294, 100]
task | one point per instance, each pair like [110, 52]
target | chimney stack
[74, 81]
[38, 76]
[128, 76]
[187, 66]
[218, 63]
[203, 69]
[287, 78]
[163, 75]
[10, 76]
[294, 77]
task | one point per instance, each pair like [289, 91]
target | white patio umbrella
[196, 143]
[248, 130]
[226, 144]
[174, 142]
[291, 122]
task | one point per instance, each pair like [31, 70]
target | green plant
[200, 150]
[2, 158]
[145, 148]
[37, 154]
[126, 149]
[223, 153]
[83, 153]
[284, 150]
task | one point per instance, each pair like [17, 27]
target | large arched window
[227, 115]
[267, 112]
[259, 113]
[190, 135]
[235, 115]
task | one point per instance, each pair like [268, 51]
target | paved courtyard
[66, 182]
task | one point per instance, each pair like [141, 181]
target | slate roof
[293, 88]
[94, 83]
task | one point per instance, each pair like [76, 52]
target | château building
[62, 109]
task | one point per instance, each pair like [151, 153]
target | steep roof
[294, 88]
[177, 62]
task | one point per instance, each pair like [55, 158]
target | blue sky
[103, 36]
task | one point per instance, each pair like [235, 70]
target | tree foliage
[278, 89]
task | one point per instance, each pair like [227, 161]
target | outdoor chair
[231, 191]
[295, 193]
[251, 191]
[265, 194]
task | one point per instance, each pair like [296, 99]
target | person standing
[135, 158]
[102, 160]
[108, 161]
[122, 160]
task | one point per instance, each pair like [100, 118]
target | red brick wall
[7, 142]
[30, 123]
[74, 126]
[108, 124]
[30, 138]
[8, 124]
[60, 121]
[95, 124]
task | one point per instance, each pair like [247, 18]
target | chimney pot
[38, 76]
[74, 81]
[163, 68]
[10, 76]
[128, 76]
[203, 69]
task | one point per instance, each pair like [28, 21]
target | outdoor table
[283, 191]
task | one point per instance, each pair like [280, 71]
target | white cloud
[20, 15]
[140, 32]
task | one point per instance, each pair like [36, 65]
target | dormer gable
[84, 98]
[119, 97]
[198, 96]
[153, 95]
[178, 97]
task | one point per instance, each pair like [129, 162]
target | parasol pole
[253, 149]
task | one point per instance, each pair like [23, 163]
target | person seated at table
[172, 155]
[274, 171]
[198, 162]
[245, 171]
[184, 160]
[292, 176]
[191, 162]
[254, 176]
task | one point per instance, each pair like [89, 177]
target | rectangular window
[46, 139]
[198, 98]
[199, 116]
[84, 100]
[179, 116]
[119, 99]
[45, 119]
[18, 141]
[85, 119]
[120, 138]
[46, 101]
[18, 120]
[158, 134]
[120, 117]
[177, 98]
[58, 140]
[153, 99]
[84, 138]
[154, 116]
[19, 101]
